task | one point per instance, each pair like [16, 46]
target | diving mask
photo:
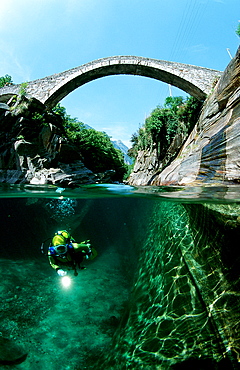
[60, 249]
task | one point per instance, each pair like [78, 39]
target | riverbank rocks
[33, 148]
[211, 152]
[3, 107]
[148, 166]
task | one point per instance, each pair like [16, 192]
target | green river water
[163, 292]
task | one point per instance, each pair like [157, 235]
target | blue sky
[42, 37]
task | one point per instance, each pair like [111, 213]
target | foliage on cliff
[98, 152]
[238, 30]
[5, 80]
[178, 115]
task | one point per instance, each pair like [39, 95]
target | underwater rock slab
[11, 353]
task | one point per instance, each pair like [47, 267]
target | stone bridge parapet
[196, 81]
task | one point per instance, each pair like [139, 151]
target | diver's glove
[61, 272]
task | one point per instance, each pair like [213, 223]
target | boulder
[11, 352]
[67, 175]
[3, 107]
[25, 148]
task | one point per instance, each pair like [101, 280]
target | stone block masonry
[196, 81]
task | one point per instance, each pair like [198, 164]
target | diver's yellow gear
[58, 239]
[93, 254]
[62, 237]
[69, 254]
[64, 233]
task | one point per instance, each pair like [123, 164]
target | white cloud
[13, 12]
[199, 48]
[119, 130]
[9, 64]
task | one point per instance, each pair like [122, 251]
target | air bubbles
[61, 209]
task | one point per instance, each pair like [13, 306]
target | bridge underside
[144, 71]
[5, 97]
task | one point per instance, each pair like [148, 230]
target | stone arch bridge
[196, 81]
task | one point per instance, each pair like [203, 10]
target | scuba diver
[65, 254]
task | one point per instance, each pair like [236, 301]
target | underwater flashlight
[66, 281]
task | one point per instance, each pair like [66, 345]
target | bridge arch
[196, 81]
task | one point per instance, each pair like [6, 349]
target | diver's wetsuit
[76, 253]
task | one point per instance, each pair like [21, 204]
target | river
[163, 292]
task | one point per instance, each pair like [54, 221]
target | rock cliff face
[33, 148]
[211, 152]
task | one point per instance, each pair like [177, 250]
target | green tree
[174, 103]
[70, 124]
[5, 80]
[238, 30]
[178, 115]
[163, 124]
[98, 152]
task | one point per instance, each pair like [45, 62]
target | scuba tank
[44, 248]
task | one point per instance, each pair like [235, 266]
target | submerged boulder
[11, 352]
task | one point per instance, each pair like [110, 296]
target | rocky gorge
[211, 152]
[35, 151]
[34, 148]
